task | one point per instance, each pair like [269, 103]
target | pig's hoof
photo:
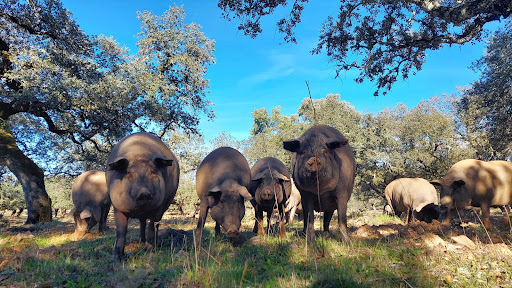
[148, 247]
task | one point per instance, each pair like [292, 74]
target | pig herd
[142, 174]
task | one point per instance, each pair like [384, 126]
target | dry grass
[384, 252]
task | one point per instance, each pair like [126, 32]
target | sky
[267, 72]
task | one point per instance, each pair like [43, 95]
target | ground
[383, 252]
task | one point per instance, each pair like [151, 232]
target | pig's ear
[458, 183]
[214, 190]
[336, 143]
[436, 182]
[86, 213]
[119, 164]
[258, 176]
[280, 176]
[161, 162]
[244, 193]
[292, 145]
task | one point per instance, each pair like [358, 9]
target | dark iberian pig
[92, 203]
[222, 179]
[476, 183]
[414, 196]
[323, 168]
[142, 179]
[270, 188]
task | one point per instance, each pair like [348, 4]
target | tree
[83, 93]
[485, 108]
[384, 40]
[268, 133]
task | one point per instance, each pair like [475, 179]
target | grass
[400, 259]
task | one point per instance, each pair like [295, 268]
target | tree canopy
[485, 107]
[70, 95]
[383, 40]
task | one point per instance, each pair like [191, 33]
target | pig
[270, 188]
[476, 183]
[222, 181]
[92, 203]
[414, 196]
[293, 204]
[323, 168]
[142, 179]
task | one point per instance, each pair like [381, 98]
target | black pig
[270, 187]
[142, 179]
[323, 169]
[221, 184]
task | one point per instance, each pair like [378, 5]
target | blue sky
[266, 72]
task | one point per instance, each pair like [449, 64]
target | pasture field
[383, 252]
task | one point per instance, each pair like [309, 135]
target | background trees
[69, 96]
[383, 40]
[398, 142]
[485, 108]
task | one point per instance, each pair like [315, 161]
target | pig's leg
[152, 232]
[486, 211]
[342, 217]
[203, 206]
[258, 224]
[282, 219]
[142, 230]
[309, 216]
[269, 220]
[103, 220]
[121, 228]
[217, 229]
[327, 220]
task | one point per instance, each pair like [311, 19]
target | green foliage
[269, 132]
[72, 96]
[398, 142]
[383, 40]
[59, 190]
[11, 196]
[485, 108]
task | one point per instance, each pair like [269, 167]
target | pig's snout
[267, 194]
[144, 196]
[446, 202]
[314, 164]
[232, 231]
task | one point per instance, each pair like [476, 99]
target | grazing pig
[323, 168]
[92, 203]
[221, 185]
[270, 188]
[476, 183]
[414, 196]
[142, 179]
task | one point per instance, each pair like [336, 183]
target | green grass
[50, 259]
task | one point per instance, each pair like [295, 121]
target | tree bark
[30, 176]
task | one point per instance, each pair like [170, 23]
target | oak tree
[70, 96]
[383, 40]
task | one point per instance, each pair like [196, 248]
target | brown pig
[476, 183]
[323, 168]
[414, 196]
[270, 188]
[142, 179]
[92, 203]
[222, 179]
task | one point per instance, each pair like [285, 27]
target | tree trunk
[30, 176]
